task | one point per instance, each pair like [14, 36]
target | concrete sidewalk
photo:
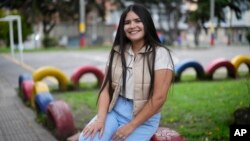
[17, 121]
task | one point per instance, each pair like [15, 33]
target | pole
[212, 38]
[82, 26]
[230, 34]
[11, 37]
[20, 40]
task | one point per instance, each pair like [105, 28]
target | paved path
[17, 121]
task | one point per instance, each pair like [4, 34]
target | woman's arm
[103, 101]
[99, 123]
[162, 83]
[103, 104]
[163, 78]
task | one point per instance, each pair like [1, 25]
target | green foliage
[248, 36]
[49, 42]
[49, 12]
[202, 14]
[4, 28]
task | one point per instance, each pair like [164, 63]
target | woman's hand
[92, 128]
[123, 132]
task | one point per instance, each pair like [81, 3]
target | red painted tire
[58, 113]
[27, 89]
[166, 134]
[80, 71]
[218, 63]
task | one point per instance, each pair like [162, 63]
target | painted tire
[182, 66]
[39, 87]
[218, 63]
[58, 114]
[43, 72]
[166, 134]
[42, 101]
[24, 77]
[80, 71]
[238, 60]
[27, 89]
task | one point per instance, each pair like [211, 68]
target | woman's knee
[81, 137]
[84, 138]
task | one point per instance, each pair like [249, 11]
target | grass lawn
[54, 49]
[199, 110]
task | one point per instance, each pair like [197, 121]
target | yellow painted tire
[239, 59]
[38, 88]
[43, 72]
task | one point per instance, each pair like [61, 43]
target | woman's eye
[138, 20]
[127, 22]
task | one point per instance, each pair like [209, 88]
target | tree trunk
[197, 33]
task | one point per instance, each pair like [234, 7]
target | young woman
[137, 79]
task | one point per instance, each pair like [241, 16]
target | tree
[51, 12]
[4, 28]
[202, 14]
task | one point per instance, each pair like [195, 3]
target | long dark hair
[151, 42]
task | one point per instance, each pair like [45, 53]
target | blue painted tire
[42, 100]
[23, 77]
[39, 87]
[189, 63]
[218, 63]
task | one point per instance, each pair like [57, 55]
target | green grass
[199, 110]
[53, 49]
[4, 49]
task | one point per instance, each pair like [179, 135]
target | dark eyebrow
[133, 19]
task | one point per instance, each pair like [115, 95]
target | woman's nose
[132, 25]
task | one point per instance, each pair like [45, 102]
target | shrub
[49, 42]
[248, 36]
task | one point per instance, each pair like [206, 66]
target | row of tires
[207, 73]
[232, 67]
[36, 93]
[61, 77]
[57, 112]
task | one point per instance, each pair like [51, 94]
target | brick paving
[17, 121]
